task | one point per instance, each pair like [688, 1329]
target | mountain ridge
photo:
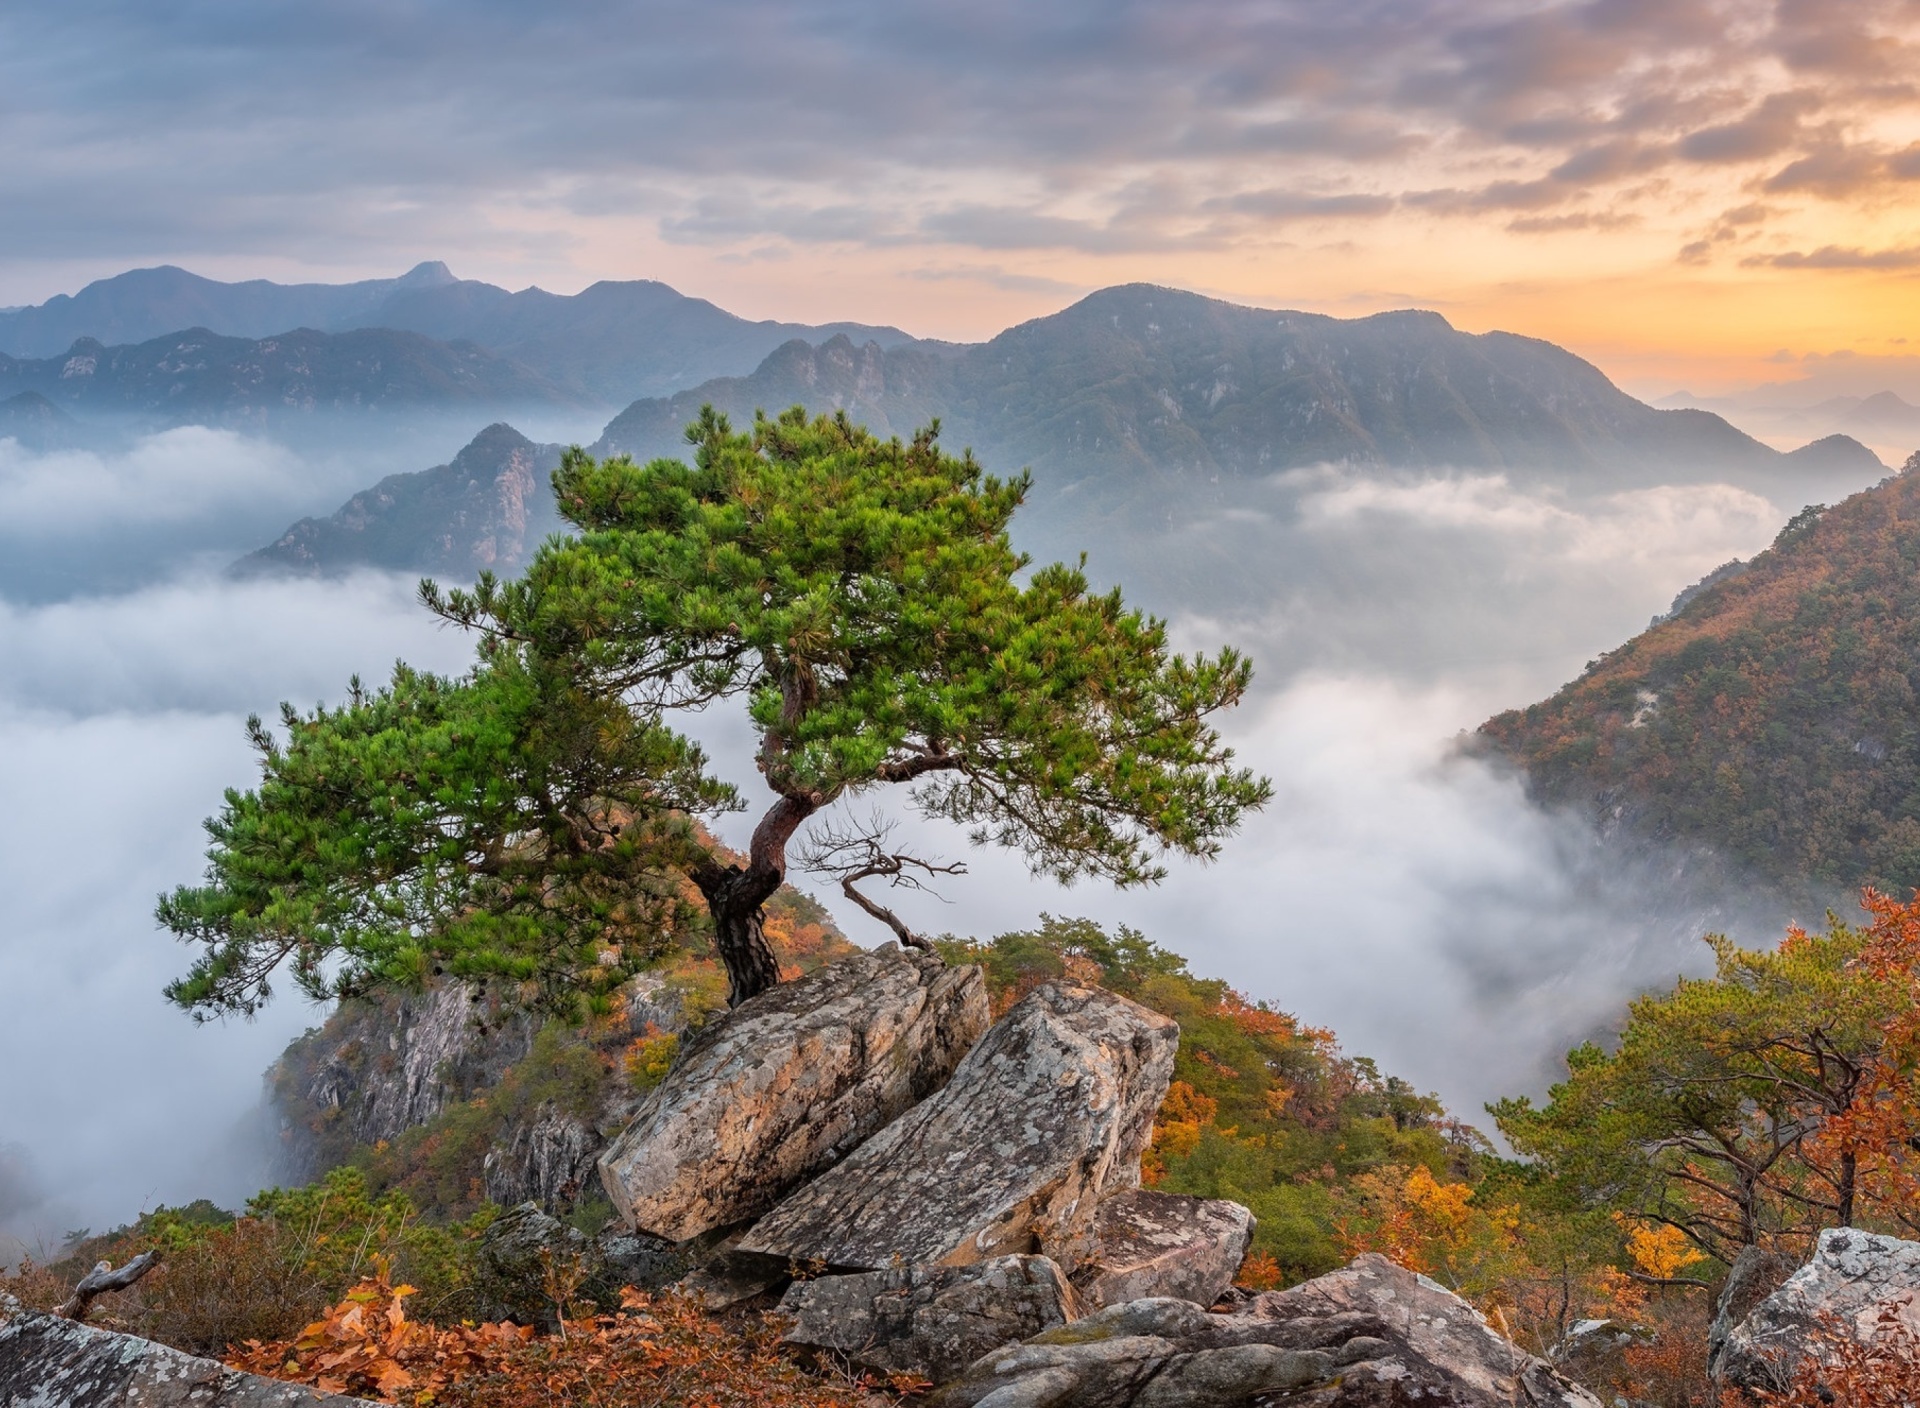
[611, 342]
[199, 374]
[1769, 716]
[1113, 395]
[1123, 429]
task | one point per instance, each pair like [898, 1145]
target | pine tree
[859, 598]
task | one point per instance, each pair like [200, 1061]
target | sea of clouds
[1406, 896]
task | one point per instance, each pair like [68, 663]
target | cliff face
[516, 1110]
[378, 1069]
[459, 1098]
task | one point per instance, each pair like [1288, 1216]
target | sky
[1697, 194]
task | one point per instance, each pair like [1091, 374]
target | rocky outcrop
[932, 1321]
[47, 1362]
[789, 1083]
[1148, 1244]
[548, 1160]
[1369, 1336]
[1051, 1111]
[379, 1068]
[1854, 1279]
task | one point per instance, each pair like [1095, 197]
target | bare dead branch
[102, 1279]
[855, 853]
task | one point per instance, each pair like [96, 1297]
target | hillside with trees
[1770, 718]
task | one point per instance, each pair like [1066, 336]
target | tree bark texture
[736, 899]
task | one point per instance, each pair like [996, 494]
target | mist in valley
[1404, 895]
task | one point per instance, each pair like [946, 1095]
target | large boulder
[928, 1320]
[1854, 1279]
[1369, 1336]
[48, 1362]
[787, 1084]
[1149, 1244]
[1049, 1113]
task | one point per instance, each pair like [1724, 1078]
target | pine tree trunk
[735, 897]
[739, 933]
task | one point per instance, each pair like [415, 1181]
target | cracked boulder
[928, 1320]
[1854, 1281]
[48, 1362]
[1149, 1244]
[1048, 1114]
[788, 1084]
[1369, 1336]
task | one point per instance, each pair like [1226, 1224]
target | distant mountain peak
[430, 273]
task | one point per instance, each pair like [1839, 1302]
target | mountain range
[607, 344]
[1139, 400]
[1772, 717]
[1139, 406]
[198, 376]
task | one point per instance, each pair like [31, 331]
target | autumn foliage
[655, 1352]
[1771, 716]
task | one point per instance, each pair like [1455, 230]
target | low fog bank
[124, 510]
[120, 724]
[1405, 895]
[1410, 899]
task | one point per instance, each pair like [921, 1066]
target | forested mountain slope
[608, 343]
[200, 377]
[1138, 399]
[485, 511]
[1771, 717]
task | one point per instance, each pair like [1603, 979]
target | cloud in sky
[1191, 142]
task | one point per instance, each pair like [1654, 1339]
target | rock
[928, 1320]
[547, 1159]
[1756, 1274]
[634, 1259]
[787, 1084]
[47, 1362]
[525, 1256]
[1162, 1244]
[1050, 1112]
[1595, 1351]
[1853, 1278]
[1369, 1336]
[727, 1277]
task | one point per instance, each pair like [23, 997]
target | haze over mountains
[1141, 408]
[608, 343]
